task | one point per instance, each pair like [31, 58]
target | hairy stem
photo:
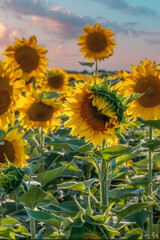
[150, 168]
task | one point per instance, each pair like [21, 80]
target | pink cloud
[60, 9]
[60, 51]
[52, 25]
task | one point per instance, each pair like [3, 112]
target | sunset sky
[56, 23]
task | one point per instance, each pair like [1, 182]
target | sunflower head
[95, 113]
[36, 111]
[145, 79]
[97, 43]
[28, 56]
[56, 80]
[12, 149]
[11, 177]
[9, 93]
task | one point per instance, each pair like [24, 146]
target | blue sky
[56, 24]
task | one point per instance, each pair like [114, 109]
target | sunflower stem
[42, 143]
[103, 184]
[96, 72]
[32, 228]
[150, 168]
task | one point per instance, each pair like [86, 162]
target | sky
[57, 23]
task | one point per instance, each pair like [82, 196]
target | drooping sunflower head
[56, 80]
[13, 149]
[28, 56]
[37, 112]
[97, 43]
[145, 80]
[9, 93]
[11, 177]
[94, 114]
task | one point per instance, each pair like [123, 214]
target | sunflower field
[79, 153]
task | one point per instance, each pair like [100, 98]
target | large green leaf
[78, 186]
[136, 233]
[128, 156]
[111, 152]
[33, 197]
[151, 123]
[42, 216]
[139, 217]
[6, 233]
[131, 209]
[152, 144]
[122, 193]
[70, 144]
[88, 159]
[8, 221]
[48, 176]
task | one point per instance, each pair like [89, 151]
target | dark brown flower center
[6, 150]
[5, 100]
[56, 81]
[150, 86]
[40, 112]
[72, 79]
[92, 116]
[96, 42]
[27, 58]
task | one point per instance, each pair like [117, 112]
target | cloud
[8, 33]
[123, 6]
[68, 22]
[61, 51]
[63, 25]
[153, 41]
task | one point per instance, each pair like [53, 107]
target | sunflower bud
[10, 178]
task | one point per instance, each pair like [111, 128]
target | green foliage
[33, 197]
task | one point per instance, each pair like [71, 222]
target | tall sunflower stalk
[150, 168]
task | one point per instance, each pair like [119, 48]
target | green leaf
[124, 158]
[7, 221]
[133, 97]
[122, 193]
[42, 216]
[151, 123]
[70, 144]
[69, 208]
[21, 229]
[110, 153]
[131, 209]
[48, 176]
[33, 197]
[85, 148]
[139, 217]
[78, 186]
[152, 144]
[49, 95]
[87, 159]
[134, 234]
[86, 64]
[6, 233]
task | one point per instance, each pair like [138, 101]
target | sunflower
[13, 149]
[97, 42]
[74, 77]
[37, 112]
[91, 116]
[10, 91]
[56, 80]
[145, 80]
[28, 56]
